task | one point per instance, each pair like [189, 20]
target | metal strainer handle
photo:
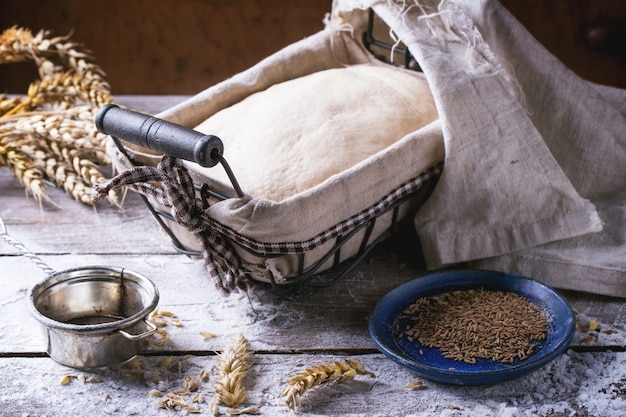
[152, 328]
[19, 246]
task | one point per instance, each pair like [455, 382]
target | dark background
[185, 46]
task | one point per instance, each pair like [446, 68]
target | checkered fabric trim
[170, 185]
[411, 186]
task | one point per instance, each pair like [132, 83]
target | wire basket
[362, 230]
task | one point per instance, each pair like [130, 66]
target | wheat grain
[475, 324]
[171, 400]
[335, 372]
[415, 385]
[155, 393]
[215, 408]
[207, 335]
[66, 379]
[166, 362]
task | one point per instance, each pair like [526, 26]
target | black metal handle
[159, 135]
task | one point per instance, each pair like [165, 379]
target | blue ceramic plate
[428, 362]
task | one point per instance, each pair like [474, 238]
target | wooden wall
[589, 36]
[166, 46]
[184, 46]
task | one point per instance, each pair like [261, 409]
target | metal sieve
[91, 316]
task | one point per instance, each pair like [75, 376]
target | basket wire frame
[374, 45]
[309, 276]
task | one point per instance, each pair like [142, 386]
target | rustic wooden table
[287, 332]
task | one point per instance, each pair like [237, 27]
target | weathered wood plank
[331, 318]
[311, 319]
[149, 104]
[76, 228]
[586, 384]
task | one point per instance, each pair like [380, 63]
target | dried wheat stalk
[336, 372]
[49, 135]
[232, 367]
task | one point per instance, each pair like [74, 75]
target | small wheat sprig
[336, 372]
[232, 368]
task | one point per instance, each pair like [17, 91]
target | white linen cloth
[534, 180]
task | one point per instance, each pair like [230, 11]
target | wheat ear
[25, 170]
[336, 372]
[232, 367]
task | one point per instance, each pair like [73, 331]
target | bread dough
[296, 134]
